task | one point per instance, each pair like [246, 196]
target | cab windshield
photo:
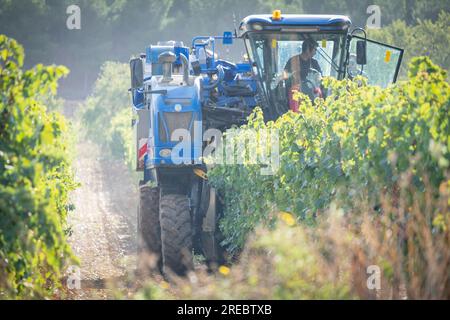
[272, 51]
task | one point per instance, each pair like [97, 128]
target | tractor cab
[294, 52]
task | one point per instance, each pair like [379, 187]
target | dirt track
[103, 223]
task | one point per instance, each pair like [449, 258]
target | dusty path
[103, 223]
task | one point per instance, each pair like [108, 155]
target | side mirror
[227, 38]
[361, 53]
[137, 73]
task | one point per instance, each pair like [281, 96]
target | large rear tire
[176, 233]
[149, 229]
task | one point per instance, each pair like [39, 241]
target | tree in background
[115, 29]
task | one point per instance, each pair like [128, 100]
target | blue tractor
[180, 92]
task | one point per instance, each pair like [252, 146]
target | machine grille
[173, 121]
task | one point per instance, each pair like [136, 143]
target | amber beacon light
[276, 15]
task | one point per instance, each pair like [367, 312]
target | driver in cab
[301, 63]
[298, 67]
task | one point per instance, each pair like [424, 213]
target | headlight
[165, 153]
[257, 27]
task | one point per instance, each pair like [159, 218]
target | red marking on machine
[142, 151]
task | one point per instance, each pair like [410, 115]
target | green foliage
[407, 10]
[361, 138]
[106, 113]
[35, 178]
[409, 243]
[282, 263]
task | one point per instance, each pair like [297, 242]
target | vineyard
[353, 146]
[362, 181]
[35, 176]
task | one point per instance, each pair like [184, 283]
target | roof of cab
[338, 21]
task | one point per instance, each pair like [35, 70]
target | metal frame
[400, 59]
